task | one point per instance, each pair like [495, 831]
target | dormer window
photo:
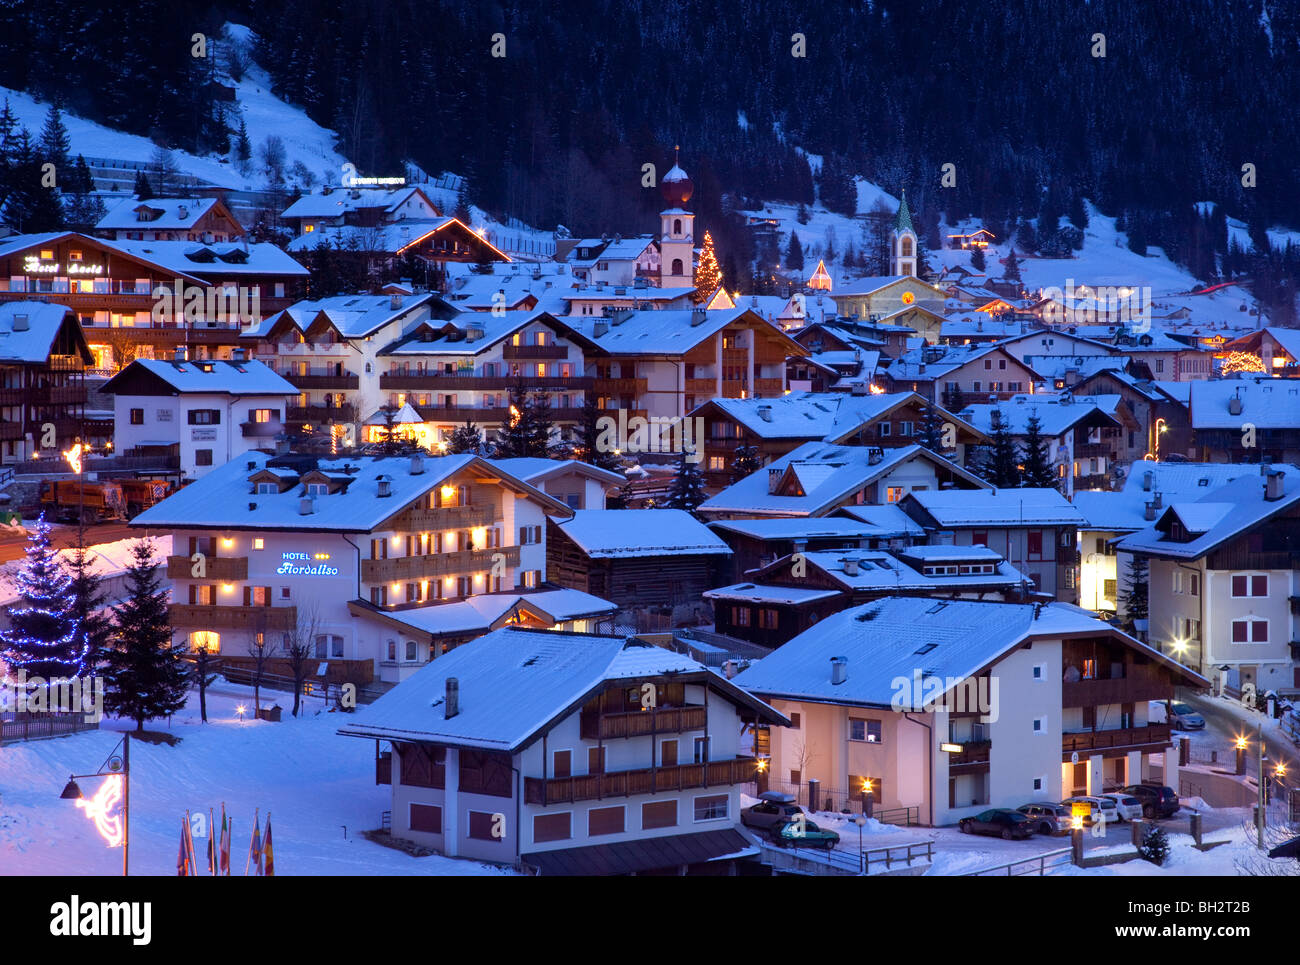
[318, 489]
[267, 489]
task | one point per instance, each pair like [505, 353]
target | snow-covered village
[433, 446]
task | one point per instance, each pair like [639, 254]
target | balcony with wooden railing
[214, 568]
[449, 517]
[660, 720]
[768, 387]
[435, 382]
[261, 430]
[1117, 690]
[707, 387]
[323, 380]
[632, 387]
[649, 780]
[511, 352]
[319, 414]
[251, 618]
[402, 568]
[973, 757]
[478, 416]
[1129, 738]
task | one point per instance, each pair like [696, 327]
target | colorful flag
[180, 854]
[266, 849]
[212, 843]
[255, 847]
[223, 862]
[190, 857]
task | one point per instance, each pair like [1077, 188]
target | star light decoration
[100, 809]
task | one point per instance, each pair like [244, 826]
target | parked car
[803, 834]
[1048, 818]
[1127, 806]
[1101, 808]
[1184, 718]
[773, 808]
[1157, 800]
[1000, 821]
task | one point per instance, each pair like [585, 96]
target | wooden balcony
[11, 430]
[449, 517]
[1087, 450]
[321, 414]
[1120, 690]
[667, 720]
[534, 352]
[974, 757]
[767, 388]
[459, 414]
[251, 618]
[707, 387]
[408, 382]
[332, 382]
[632, 387]
[1130, 738]
[404, 568]
[594, 787]
[216, 568]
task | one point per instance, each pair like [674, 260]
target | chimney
[1158, 501]
[180, 353]
[698, 315]
[1234, 405]
[385, 485]
[1149, 512]
[850, 567]
[21, 323]
[417, 465]
[839, 670]
[618, 316]
[773, 480]
[600, 328]
[473, 333]
[874, 455]
[1264, 468]
[452, 704]
[1273, 485]
[306, 506]
[237, 354]
[729, 668]
[1148, 478]
[765, 413]
[395, 301]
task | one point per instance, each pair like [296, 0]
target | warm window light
[227, 588]
[448, 492]
[227, 543]
[866, 785]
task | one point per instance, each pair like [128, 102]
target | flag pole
[249, 861]
[214, 859]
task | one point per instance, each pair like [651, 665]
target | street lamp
[860, 820]
[112, 828]
[1161, 429]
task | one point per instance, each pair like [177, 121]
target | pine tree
[708, 276]
[953, 399]
[1003, 470]
[687, 491]
[146, 670]
[977, 258]
[745, 462]
[541, 426]
[590, 449]
[143, 190]
[1155, 845]
[1078, 212]
[931, 435]
[794, 253]
[514, 439]
[801, 215]
[1038, 470]
[465, 439]
[88, 599]
[1011, 271]
[44, 638]
[1135, 589]
[55, 143]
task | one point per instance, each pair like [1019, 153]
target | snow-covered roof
[1267, 403]
[667, 332]
[826, 474]
[31, 345]
[533, 469]
[224, 260]
[336, 203]
[868, 285]
[761, 593]
[390, 238]
[628, 533]
[925, 363]
[801, 528]
[1059, 366]
[888, 519]
[996, 507]
[224, 497]
[484, 611]
[898, 638]
[404, 416]
[1055, 416]
[902, 571]
[353, 316]
[203, 376]
[176, 214]
[1220, 515]
[809, 415]
[514, 684]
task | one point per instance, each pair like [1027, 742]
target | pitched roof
[35, 343]
[172, 213]
[515, 683]
[1055, 417]
[221, 377]
[671, 331]
[484, 611]
[535, 469]
[996, 507]
[629, 533]
[1267, 403]
[800, 527]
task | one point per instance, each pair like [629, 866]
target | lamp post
[97, 809]
[860, 820]
[1259, 813]
[1161, 428]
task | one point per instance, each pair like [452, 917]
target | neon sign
[99, 809]
[306, 564]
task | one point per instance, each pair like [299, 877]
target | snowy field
[313, 782]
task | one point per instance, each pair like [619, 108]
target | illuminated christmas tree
[708, 276]
[44, 637]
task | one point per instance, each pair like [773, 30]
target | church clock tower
[677, 231]
[902, 242]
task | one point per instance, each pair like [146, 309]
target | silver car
[773, 808]
[1101, 808]
[1127, 806]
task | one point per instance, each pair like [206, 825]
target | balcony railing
[214, 568]
[535, 352]
[1119, 737]
[323, 381]
[972, 752]
[1087, 450]
[667, 720]
[409, 381]
[707, 387]
[403, 568]
[679, 777]
[767, 387]
[450, 517]
[321, 413]
[478, 416]
[633, 387]
[250, 618]
[1120, 690]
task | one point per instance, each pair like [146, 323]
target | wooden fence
[23, 727]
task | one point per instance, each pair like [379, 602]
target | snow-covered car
[1182, 717]
[1101, 808]
[773, 808]
[1127, 806]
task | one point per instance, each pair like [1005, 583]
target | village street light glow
[1241, 743]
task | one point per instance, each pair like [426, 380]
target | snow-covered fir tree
[1037, 470]
[43, 639]
[687, 491]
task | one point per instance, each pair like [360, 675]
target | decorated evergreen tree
[1003, 470]
[147, 672]
[465, 439]
[687, 490]
[541, 426]
[44, 638]
[1038, 470]
[708, 276]
[590, 449]
[794, 253]
[745, 462]
[515, 439]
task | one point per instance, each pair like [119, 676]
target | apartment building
[43, 359]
